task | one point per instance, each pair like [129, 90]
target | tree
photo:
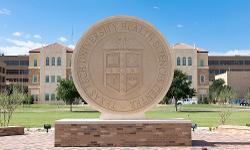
[67, 91]
[226, 94]
[20, 88]
[180, 88]
[215, 89]
[248, 94]
[222, 94]
[9, 103]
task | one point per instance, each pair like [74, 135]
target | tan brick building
[2, 76]
[47, 65]
[194, 62]
[16, 69]
[221, 64]
[238, 80]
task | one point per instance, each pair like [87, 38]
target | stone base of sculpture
[122, 133]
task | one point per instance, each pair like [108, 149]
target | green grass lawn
[204, 115]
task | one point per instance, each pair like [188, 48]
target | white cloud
[179, 25]
[62, 39]
[17, 34]
[232, 52]
[156, 7]
[14, 50]
[19, 47]
[5, 11]
[71, 46]
[37, 36]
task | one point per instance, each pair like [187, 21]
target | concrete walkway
[222, 138]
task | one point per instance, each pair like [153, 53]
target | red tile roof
[54, 45]
[186, 46]
[182, 46]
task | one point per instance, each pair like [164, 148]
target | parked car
[187, 101]
[244, 102]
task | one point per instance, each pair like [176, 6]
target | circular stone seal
[122, 65]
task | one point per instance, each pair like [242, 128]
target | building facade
[16, 69]
[221, 64]
[238, 80]
[47, 66]
[194, 62]
[2, 76]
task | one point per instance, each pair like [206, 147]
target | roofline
[228, 55]
[14, 55]
[202, 51]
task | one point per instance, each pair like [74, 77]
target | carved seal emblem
[122, 65]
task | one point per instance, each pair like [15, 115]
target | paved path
[202, 138]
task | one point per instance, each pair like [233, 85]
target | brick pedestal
[11, 130]
[80, 132]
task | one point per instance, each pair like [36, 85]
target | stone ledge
[120, 133]
[100, 121]
[11, 130]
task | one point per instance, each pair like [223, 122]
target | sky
[219, 26]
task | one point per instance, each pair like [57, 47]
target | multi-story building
[238, 80]
[194, 62]
[221, 64]
[47, 65]
[16, 69]
[2, 76]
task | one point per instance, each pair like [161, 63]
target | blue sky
[220, 26]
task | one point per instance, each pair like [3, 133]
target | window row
[52, 79]
[51, 96]
[2, 70]
[54, 61]
[228, 62]
[202, 79]
[17, 79]
[16, 71]
[217, 71]
[17, 62]
[2, 79]
[184, 61]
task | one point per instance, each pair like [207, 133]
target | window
[202, 79]
[189, 61]
[24, 71]
[189, 77]
[52, 96]
[47, 61]
[202, 63]
[59, 61]
[184, 61]
[53, 63]
[24, 63]
[35, 62]
[58, 78]
[47, 79]
[12, 71]
[46, 97]
[34, 79]
[12, 62]
[53, 78]
[178, 61]
[70, 63]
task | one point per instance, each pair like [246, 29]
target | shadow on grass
[85, 111]
[198, 111]
[205, 143]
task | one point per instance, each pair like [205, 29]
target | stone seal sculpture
[122, 66]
